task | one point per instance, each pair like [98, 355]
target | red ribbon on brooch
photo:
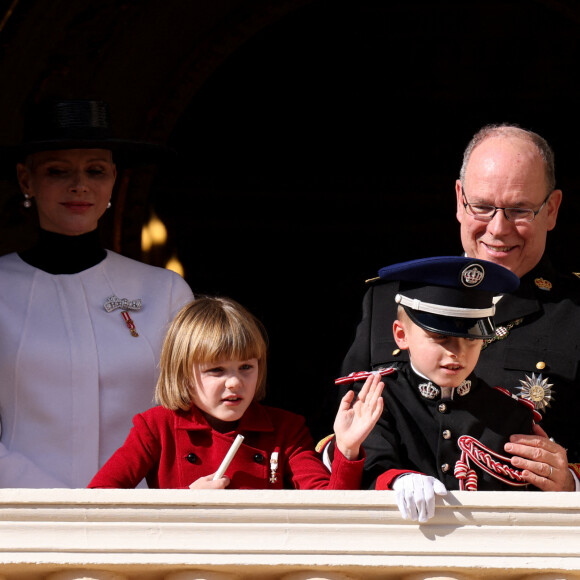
[129, 322]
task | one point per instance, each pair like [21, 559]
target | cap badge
[472, 275]
[429, 390]
[537, 390]
[543, 284]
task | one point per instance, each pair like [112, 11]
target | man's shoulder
[380, 289]
[362, 376]
[548, 279]
[572, 279]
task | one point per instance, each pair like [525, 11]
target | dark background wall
[318, 140]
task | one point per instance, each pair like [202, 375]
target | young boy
[441, 427]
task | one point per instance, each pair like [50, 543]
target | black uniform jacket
[420, 434]
[542, 337]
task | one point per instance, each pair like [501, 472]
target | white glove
[416, 495]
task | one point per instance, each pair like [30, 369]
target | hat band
[452, 311]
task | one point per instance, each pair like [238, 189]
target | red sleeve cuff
[386, 479]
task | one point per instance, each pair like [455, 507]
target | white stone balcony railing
[287, 535]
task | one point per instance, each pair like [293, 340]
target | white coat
[72, 376]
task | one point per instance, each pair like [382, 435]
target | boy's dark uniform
[420, 432]
[540, 328]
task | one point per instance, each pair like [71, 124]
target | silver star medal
[537, 390]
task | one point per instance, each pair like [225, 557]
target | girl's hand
[354, 422]
[207, 482]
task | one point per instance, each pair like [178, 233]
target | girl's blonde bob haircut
[207, 330]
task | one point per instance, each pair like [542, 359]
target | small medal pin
[274, 466]
[129, 322]
[502, 332]
[112, 303]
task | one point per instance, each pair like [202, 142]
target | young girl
[213, 372]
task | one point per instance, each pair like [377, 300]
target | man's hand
[544, 462]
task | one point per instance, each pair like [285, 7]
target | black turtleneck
[59, 254]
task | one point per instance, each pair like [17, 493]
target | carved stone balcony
[287, 535]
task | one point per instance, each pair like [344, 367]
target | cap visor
[461, 327]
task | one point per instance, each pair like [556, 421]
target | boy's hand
[354, 422]
[207, 482]
[416, 495]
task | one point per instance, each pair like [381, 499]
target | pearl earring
[27, 202]
[109, 205]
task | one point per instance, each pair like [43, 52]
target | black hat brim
[473, 328]
[126, 153]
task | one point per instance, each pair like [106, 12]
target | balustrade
[284, 535]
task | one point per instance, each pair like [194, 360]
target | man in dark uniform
[442, 427]
[506, 204]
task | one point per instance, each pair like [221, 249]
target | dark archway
[328, 146]
[319, 139]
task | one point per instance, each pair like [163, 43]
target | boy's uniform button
[442, 407]
[446, 434]
[259, 458]
[445, 467]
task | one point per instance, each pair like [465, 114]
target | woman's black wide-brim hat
[78, 124]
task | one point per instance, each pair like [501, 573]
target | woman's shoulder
[152, 277]
[13, 266]
[116, 260]
[11, 260]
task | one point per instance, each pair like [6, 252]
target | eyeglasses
[516, 215]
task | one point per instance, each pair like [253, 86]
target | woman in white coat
[81, 327]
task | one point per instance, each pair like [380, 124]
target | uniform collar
[256, 419]
[432, 392]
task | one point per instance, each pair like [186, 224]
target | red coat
[172, 449]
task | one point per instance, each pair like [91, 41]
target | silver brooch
[112, 303]
[429, 390]
[537, 390]
[464, 388]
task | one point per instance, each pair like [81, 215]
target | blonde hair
[207, 330]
